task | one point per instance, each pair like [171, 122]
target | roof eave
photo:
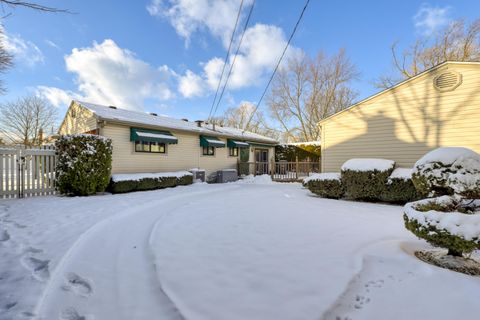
[210, 132]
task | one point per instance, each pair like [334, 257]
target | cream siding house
[439, 107]
[144, 142]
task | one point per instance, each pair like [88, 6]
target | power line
[234, 57]
[227, 56]
[278, 64]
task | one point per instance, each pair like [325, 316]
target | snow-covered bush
[399, 187]
[366, 179]
[122, 183]
[84, 164]
[448, 171]
[327, 185]
[447, 221]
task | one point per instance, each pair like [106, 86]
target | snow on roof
[142, 118]
[448, 155]
[368, 164]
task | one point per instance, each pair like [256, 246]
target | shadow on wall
[407, 122]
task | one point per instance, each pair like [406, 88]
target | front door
[261, 160]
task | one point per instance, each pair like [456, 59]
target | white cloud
[191, 85]
[57, 97]
[258, 55]
[52, 44]
[23, 50]
[429, 20]
[190, 16]
[108, 74]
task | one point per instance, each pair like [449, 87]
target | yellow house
[439, 107]
[147, 142]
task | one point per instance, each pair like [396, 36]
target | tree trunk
[454, 253]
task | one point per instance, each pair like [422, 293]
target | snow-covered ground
[232, 251]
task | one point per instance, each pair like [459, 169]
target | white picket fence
[26, 172]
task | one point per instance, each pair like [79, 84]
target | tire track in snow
[115, 256]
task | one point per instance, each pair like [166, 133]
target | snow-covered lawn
[234, 251]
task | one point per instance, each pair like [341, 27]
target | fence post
[296, 168]
[272, 170]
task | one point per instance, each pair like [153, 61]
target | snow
[401, 173]
[251, 179]
[323, 176]
[139, 176]
[449, 155]
[460, 167]
[460, 224]
[264, 251]
[367, 164]
[135, 117]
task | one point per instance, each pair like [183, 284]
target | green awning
[206, 141]
[236, 144]
[147, 135]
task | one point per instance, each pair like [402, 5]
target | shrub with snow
[447, 221]
[84, 164]
[399, 187]
[327, 185]
[122, 183]
[366, 179]
[448, 171]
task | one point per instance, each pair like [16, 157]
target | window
[233, 152]
[208, 151]
[152, 147]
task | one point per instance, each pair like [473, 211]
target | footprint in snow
[39, 268]
[77, 284]
[72, 314]
[4, 235]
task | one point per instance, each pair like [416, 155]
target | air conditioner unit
[227, 175]
[198, 175]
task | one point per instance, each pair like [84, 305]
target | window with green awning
[147, 135]
[206, 141]
[237, 144]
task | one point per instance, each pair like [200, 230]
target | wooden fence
[26, 172]
[281, 170]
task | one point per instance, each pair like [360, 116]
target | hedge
[399, 187]
[327, 185]
[84, 164]
[142, 182]
[366, 179]
[447, 222]
[448, 171]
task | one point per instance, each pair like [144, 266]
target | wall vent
[447, 81]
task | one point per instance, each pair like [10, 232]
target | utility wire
[278, 64]
[226, 57]
[234, 57]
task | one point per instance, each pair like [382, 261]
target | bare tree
[308, 90]
[5, 59]
[457, 42]
[32, 5]
[24, 120]
[238, 118]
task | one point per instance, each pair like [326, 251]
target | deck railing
[280, 170]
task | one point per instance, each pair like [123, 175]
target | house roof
[140, 118]
[357, 104]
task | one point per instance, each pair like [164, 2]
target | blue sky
[165, 56]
